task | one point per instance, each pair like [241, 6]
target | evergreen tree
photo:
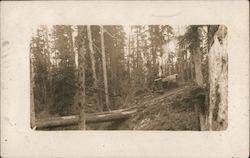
[64, 81]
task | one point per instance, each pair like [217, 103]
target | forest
[138, 77]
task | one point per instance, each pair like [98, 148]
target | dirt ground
[169, 110]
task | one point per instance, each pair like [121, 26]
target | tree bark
[181, 66]
[223, 83]
[197, 64]
[104, 66]
[128, 55]
[32, 103]
[81, 81]
[218, 80]
[133, 59]
[92, 57]
[191, 66]
[137, 48]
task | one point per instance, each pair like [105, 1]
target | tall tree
[154, 32]
[167, 53]
[138, 53]
[32, 84]
[218, 76]
[129, 53]
[104, 66]
[115, 56]
[181, 61]
[193, 38]
[81, 76]
[93, 66]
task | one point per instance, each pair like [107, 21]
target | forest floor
[170, 109]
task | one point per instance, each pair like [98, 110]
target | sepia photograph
[134, 77]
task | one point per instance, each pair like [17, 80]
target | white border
[18, 140]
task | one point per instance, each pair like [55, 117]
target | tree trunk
[32, 103]
[191, 66]
[154, 55]
[137, 49]
[128, 55]
[197, 64]
[92, 57]
[91, 118]
[133, 60]
[81, 81]
[104, 69]
[218, 80]
[181, 66]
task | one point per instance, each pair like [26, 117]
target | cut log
[110, 117]
[57, 121]
[90, 118]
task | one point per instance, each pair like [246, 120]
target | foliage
[39, 52]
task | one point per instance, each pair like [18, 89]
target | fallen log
[90, 118]
[57, 121]
[116, 111]
[109, 117]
